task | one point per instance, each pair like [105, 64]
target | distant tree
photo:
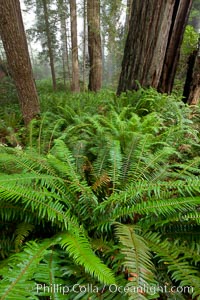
[63, 14]
[45, 30]
[75, 86]
[153, 44]
[49, 41]
[113, 39]
[15, 44]
[85, 48]
[94, 45]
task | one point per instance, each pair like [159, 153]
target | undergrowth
[100, 199]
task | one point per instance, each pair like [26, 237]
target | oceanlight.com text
[113, 288]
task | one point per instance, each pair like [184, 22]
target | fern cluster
[105, 206]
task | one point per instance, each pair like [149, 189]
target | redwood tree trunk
[15, 44]
[178, 23]
[153, 43]
[94, 45]
[75, 86]
[49, 43]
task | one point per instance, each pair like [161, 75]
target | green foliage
[105, 192]
[189, 44]
[190, 40]
[137, 259]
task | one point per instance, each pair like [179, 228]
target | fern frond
[175, 261]
[80, 250]
[45, 203]
[65, 164]
[144, 191]
[129, 157]
[17, 276]
[14, 213]
[49, 276]
[138, 260]
[100, 165]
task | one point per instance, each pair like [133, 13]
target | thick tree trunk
[75, 86]
[16, 48]
[178, 23]
[49, 43]
[155, 32]
[94, 45]
[192, 85]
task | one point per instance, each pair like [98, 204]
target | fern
[137, 258]
[17, 276]
[110, 192]
[79, 248]
[176, 262]
[41, 201]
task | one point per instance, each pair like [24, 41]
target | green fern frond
[49, 277]
[100, 165]
[192, 216]
[14, 213]
[65, 164]
[17, 276]
[144, 191]
[63, 154]
[192, 249]
[162, 207]
[80, 250]
[175, 261]
[137, 260]
[45, 203]
[129, 157]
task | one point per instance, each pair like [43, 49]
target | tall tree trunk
[75, 86]
[104, 65]
[49, 43]
[178, 23]
[155, 31]
[94, 45]
[62, 11]
[66, 38]
[15, 44]
[66, 41]
[84, 43]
